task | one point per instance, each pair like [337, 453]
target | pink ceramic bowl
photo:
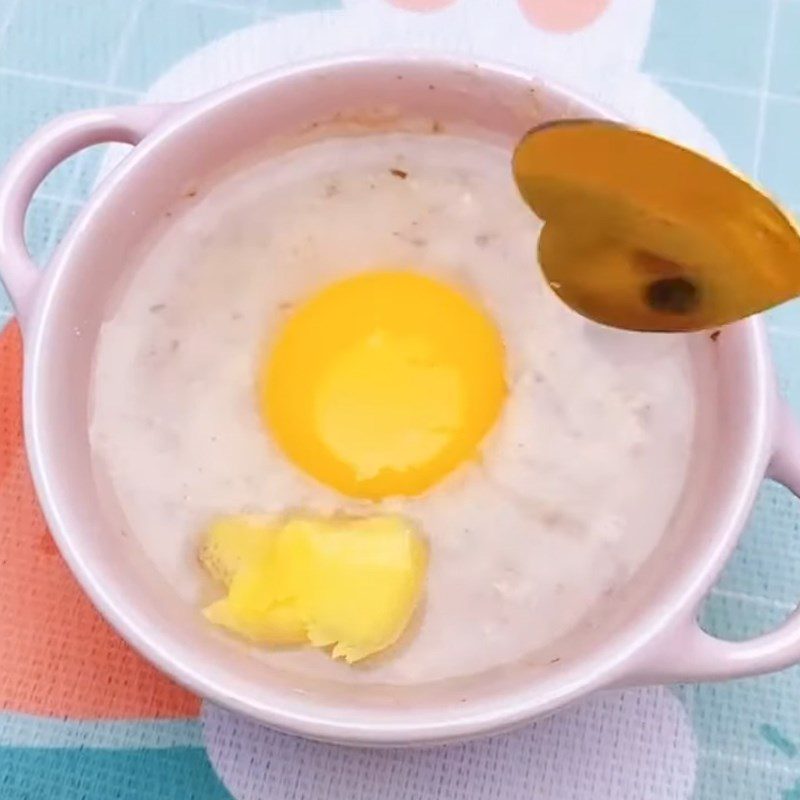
[650, 634]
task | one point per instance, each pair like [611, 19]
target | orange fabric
[58, 657]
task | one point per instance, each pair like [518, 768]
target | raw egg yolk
[383, 383]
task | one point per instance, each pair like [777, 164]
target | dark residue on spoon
[672, 295]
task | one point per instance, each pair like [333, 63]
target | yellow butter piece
[257, 606]
[348, 583]
[359, 581]
[232, 542]
[280, 624]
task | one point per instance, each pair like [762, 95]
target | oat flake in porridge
[524, 540]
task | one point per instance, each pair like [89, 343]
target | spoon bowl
[643, 234]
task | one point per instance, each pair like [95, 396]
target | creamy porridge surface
[575, 485]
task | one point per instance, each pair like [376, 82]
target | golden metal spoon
[642, 234]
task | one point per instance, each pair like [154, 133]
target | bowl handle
[687, 653]
[46, 149]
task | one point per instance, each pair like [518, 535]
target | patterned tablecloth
[83, 717]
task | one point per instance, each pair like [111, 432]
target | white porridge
[524, 541]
